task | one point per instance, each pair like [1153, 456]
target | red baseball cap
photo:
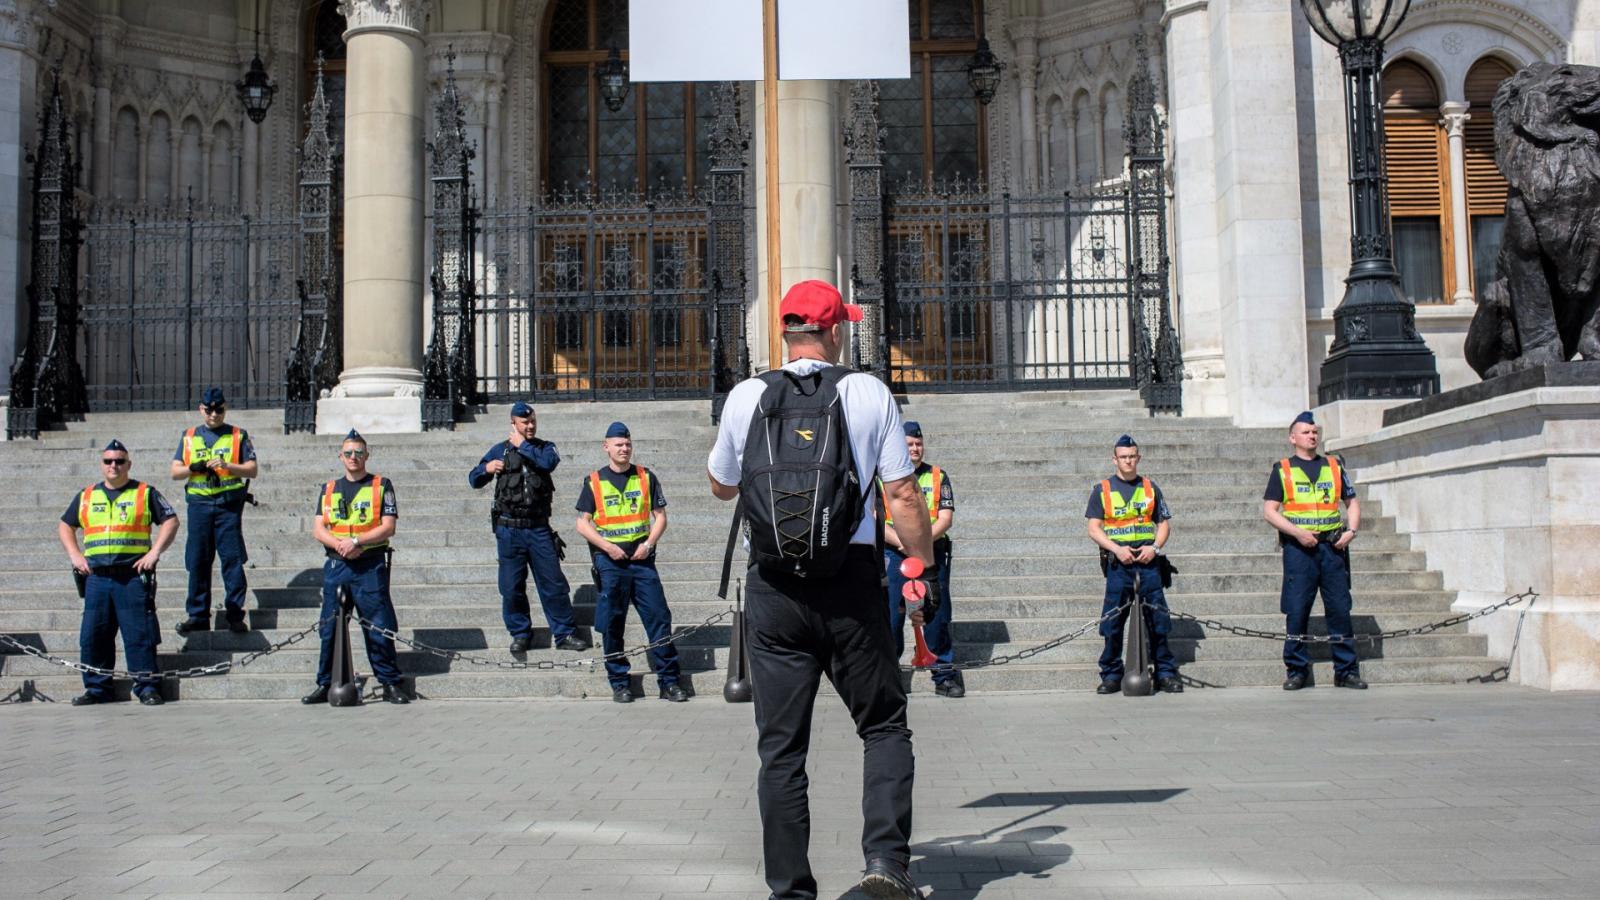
[818, 305]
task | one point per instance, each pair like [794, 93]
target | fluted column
[1025, 35]
[380, 389]
[1453, 116]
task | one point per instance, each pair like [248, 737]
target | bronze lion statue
[1544, 304]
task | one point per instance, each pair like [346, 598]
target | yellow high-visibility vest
[1131, 520]
[115, 527]
[227, 448]
[362, 514]
[1312, 505]
[622, 516]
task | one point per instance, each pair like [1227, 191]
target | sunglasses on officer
[353, 454]
[220, 407]
[113, 461]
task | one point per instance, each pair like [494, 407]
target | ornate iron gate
[615, 295]
[970, 287]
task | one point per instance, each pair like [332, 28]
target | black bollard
[737, 688]
[345, 690]
[1136, 681]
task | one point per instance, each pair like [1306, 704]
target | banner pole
[769, 87]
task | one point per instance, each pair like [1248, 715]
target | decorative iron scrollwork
[449, 380]
[318, 353]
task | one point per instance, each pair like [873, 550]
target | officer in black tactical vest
[521, 468]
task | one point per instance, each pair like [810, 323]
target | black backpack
[798, 487]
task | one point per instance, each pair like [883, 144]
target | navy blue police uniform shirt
[619, 480]
[1311, 468]
[345, 490]
[247, 453]
[160, 511]
[1097, 509]
[539, 453]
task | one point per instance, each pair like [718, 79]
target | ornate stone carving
[396, 15]
[1454, 120]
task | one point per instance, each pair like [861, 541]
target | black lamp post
[1376, 352]
[983, 72]
[256, 87]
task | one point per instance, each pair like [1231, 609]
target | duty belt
[122, 571]
[510, 522]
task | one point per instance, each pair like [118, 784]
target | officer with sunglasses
[214, 460]
[119, 553]
[355, 517]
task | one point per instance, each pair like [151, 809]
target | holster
[1167, 570]
[82, 581]
[561, 547]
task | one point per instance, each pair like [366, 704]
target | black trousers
[799, 630]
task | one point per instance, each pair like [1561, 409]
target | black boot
[317, 695]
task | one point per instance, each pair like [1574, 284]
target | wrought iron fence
[172, 304]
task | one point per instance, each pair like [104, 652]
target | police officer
[214, 459]
[118, 553]
[1302, 502]
[521, 468]
[801, 628]
[622, 513]
[1129, 522]
[940, 498]
[355, 517]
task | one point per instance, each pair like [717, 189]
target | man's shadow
[1017, 852]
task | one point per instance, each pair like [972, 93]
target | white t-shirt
[877, 439]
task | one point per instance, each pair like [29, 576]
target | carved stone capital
[1454, 117]
[407, 16]
[19, 19]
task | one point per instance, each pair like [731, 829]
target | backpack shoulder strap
[733, 537]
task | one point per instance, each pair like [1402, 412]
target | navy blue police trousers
[1304, 573]
[215, 531]
[937, 631]
[1157, 620]
[114, 599]
[640, 582]
[521, 549]
[367, 576]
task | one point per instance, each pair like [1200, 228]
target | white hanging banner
[695, 40]
[843, 39]
[720, 40]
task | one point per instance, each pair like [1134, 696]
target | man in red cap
[803, 627]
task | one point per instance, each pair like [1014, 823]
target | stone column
[1454, 116]
[108, 33]
[808, 189]
[19, 73]
[1025, 34]
[1194, 208]
[380, 389]
[143, 137]
[1260, 262]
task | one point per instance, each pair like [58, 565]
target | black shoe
[153, 698]
[675, 693]
[572, 642]
[952, 689]
[318, 695]
[1169, 685]
[521, 644]
[1295, 681]
[238, 626]
[621, 695]
[1353, 682]
[1109, 687]
[889, 880]
[396, 694]
[90, 699]
[189, 625]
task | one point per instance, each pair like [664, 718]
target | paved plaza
[1473, 791]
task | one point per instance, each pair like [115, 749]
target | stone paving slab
[1398, 793]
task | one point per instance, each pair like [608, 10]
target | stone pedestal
[381, 387]
[1499, 484]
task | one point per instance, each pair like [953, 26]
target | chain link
[218, 668]
[587, 662]
[1025, 652]
[1527, 596]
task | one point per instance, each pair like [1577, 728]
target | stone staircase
[1004, 452]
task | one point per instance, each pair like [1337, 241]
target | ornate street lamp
[1376, 352]
[613, 77]
[256, 88]
[983, 72]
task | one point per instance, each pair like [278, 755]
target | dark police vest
[522, 494]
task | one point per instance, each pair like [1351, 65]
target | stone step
[302, 657]
[17, 606]
[998, 576]
[707, 685]
[484, 619]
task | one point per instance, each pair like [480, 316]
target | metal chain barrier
[1024, 653]
[218, 668]
[1527, 596]
[586, 662]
